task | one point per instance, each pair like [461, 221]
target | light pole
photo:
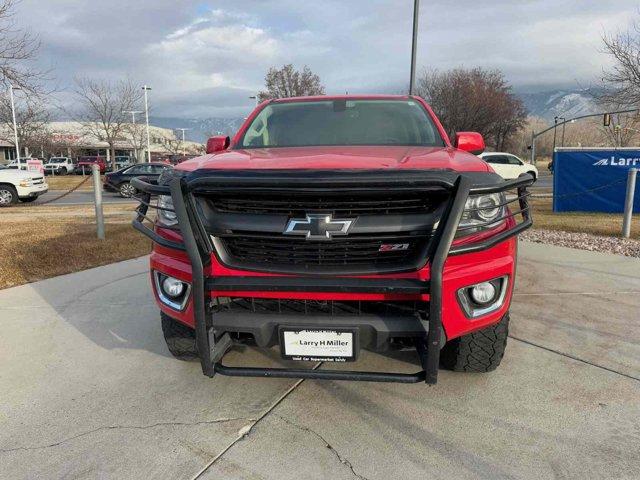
[183, 130]
[146, 113]
[555, 129]
[15, 125]
[564, 124]
[135, 131]
[255, 97]
[133, 114]
[414, 46]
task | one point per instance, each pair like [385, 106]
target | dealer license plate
[318, 344]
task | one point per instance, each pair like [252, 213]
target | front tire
[180, 339]
[8, 195]
[480, 351]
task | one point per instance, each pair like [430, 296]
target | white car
[508, 166]
[20, 185]
[59, 166]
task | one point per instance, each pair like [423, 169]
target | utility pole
[535, 135]
[564, 124]
[555, 129]
[15, 125]
[183, 130]
[146, 113]
[255, 97]
[414, 46]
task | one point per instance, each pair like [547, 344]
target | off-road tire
[180, 339]
[9, 192]
[480, 351]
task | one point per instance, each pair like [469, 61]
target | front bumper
[32, 191]
[207, 282]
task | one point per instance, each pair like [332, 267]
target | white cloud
[204, 57]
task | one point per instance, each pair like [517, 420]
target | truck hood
[366, 158]
[17, 175]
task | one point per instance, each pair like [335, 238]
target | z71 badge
[393, 247]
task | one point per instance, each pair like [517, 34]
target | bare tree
[17, 48]
[102, 108]
[474, 100]
[32, 118]
[171, 144]
[289, 82]
[136, 134]
[621, 83]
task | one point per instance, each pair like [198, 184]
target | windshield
[342, 122]
[56, 160]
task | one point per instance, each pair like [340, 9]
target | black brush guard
[198, 249]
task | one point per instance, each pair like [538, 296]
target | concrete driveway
[88, 390]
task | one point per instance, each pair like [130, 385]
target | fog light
[172, 287]
[483, 293]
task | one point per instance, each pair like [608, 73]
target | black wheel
[28, 199]
[8, 195]
[63, 171]
[480, 351]
[127, 190]
[181, 340]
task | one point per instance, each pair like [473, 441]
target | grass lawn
[42, 242]
[607, 224]
[67, 182]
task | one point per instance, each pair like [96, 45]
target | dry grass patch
[67, 182]
[608, 224]
[42, 242]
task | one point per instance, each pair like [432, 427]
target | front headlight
[166, 217]
[26, 183]
[482, 212]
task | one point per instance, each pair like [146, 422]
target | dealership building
[75, 139]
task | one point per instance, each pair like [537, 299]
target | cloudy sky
[204, 58]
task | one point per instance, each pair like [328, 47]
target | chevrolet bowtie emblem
[318, 226]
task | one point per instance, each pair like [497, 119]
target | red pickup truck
[333, 224]
[85, 163]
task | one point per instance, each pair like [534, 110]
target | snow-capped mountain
[563, 103]
[200, 129]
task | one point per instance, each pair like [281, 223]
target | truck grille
[343, 205]
[340, 251]
[318, 307]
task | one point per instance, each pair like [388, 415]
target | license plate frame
[310, 333]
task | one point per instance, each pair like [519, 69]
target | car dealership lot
[90, 391]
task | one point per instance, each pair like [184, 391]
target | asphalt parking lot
[90, 391]
[81, 197]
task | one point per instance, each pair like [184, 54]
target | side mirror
[471, 142]
[217, 143]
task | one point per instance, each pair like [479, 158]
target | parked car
[120, 181]
[334, 224]
[22, 164]
[123, 161]
[508, 166]
[17, 185]
[84, 165]
[59, 166]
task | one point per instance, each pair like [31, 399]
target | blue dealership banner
[586, 180]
